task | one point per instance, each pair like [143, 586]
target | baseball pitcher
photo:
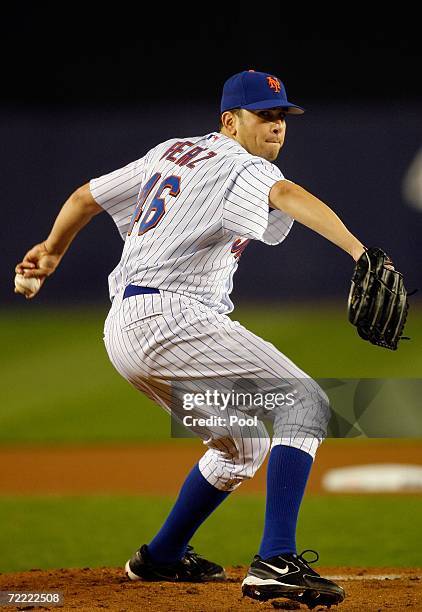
[186, 210]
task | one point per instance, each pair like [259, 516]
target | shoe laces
[307, 562]
[190, 555]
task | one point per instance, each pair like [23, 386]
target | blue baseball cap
[256, 91]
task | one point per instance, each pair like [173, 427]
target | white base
[374, 478]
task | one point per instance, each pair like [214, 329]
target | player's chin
[271, 151]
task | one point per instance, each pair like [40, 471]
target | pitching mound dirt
[87, 589]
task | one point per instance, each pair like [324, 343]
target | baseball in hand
[27, 286]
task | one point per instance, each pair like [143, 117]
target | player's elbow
[82, 198]
[280, 195]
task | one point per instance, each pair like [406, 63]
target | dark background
[87, 90]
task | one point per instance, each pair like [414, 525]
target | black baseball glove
[378, 302]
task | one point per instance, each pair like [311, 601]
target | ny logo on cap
[273, 83]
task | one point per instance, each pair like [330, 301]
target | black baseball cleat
[191, 568]
[289, 576]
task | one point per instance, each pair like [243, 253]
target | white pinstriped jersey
[186, 211]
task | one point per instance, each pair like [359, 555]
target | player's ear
[229, 122]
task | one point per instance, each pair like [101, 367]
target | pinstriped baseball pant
[167, 343]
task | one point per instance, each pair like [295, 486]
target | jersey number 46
[156, 210]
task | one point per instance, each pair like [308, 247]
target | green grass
[61, 387]
[58, 385]
[319, 339]
[49, 532]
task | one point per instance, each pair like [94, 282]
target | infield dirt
[104, 469]
[106, 588]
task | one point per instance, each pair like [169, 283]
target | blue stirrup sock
[196, 501]
[287, 474]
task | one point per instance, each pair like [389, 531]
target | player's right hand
[38, 263]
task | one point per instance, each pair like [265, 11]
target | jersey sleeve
[279, 225]
[246, 203]
[117, 192]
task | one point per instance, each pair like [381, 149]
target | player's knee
[305, 424]
[324, 409]
[251, 455]
[316, 422]
[231, 461]
[314, 412]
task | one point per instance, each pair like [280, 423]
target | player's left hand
[378, 303]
